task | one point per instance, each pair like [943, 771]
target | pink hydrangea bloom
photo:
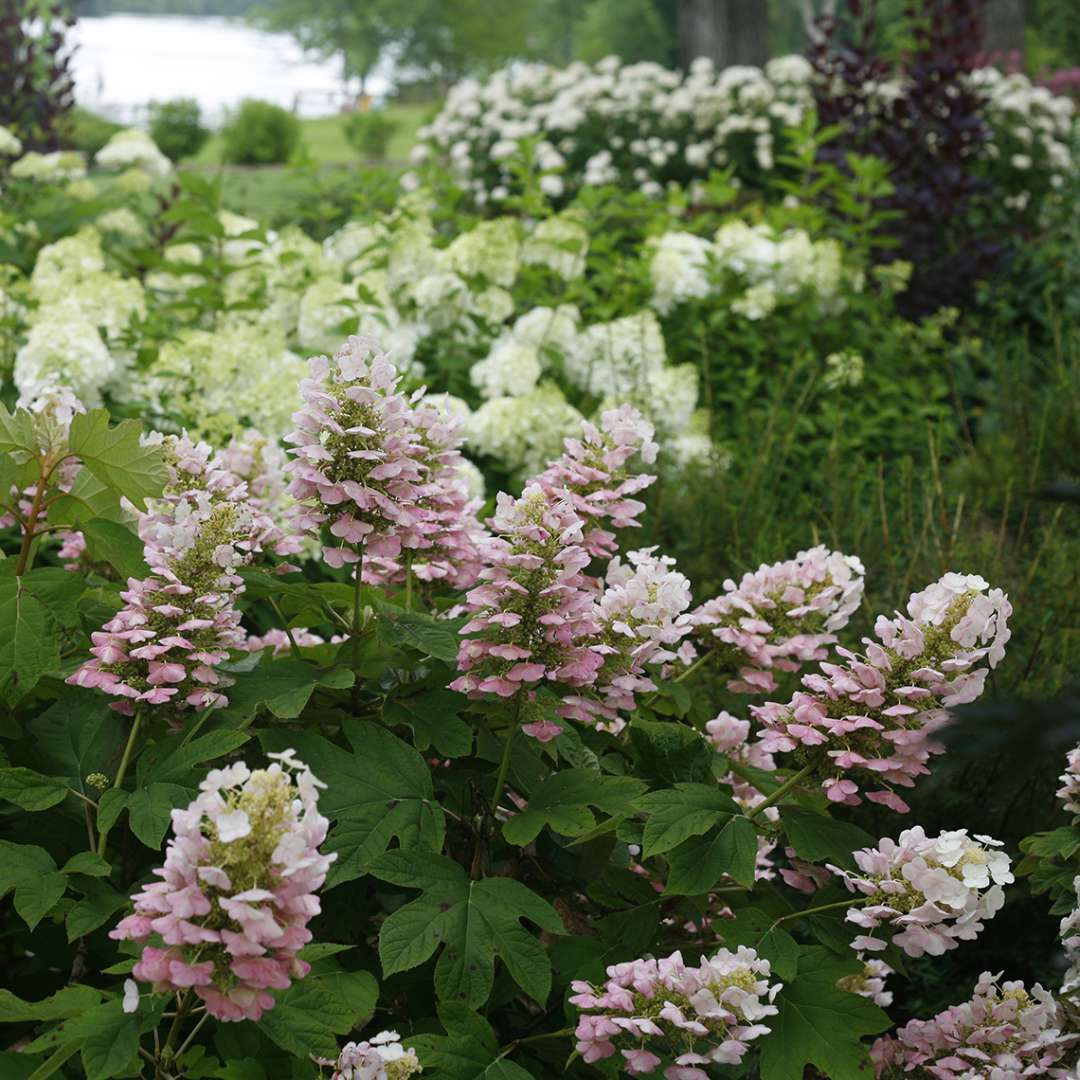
[779, 617]
[442, 543]
[358, 469]
[1004, 1032]
[640, 614]
[871, 719]
[379, 1058]
[592, 474]
[1070, 940]
[178, 625]
[932, 892]
[533, 611]
[237, 890]
[1069, 792]
[653, 1012]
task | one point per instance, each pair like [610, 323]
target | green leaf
[87, 499]
[432, 637]
[678, 813]
[32, 874]
[378, 792]
[98, 904]
[819, 1024]
[173, 761]
[31, 790]
[34, 609]
[697, 865]
[282, 686]
[17, 432]
[115, 456]
[77, 736]
[110, 1048]
[781, 950]
[467, 1051]
[307, 1019]
[562, 803]
[113, 543]
[71, 1001]
[816, 837]
[150, 810]
[670, 752]
[475, 921]
[433, 717]
[89, 863]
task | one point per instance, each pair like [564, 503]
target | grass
[324, 142]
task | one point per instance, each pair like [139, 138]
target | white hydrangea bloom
[133, 149]
[52, 168]
[511, 369]
[490, 250]
[560, 243]
[679, 269]
[10, 144]
[614, 359]
[66, 351]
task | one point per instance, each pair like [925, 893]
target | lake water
[125, 61]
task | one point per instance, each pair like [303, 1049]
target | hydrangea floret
[871, 719]
[931, 891]
[237, 891]
[665, 1012]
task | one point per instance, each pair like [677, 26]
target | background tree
[726, 31]
[1003, 27]
[631, 29]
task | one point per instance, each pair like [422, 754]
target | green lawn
[324, 138]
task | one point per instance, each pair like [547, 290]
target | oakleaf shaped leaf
[116, 457]
[378, 792]
[475, 921]
[32, 874]
[819, 1024]
[676, 814]
[697, 865]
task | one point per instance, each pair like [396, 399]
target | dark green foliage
[177, 128]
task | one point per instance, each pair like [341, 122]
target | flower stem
[121, 772]
[293, 647]
[782, 790]
[26, 549]
[194, 1031]
[357, 587]
[684, 674]
[852, 902]
[504, 764]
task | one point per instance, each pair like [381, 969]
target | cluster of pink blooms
[533, 612]
[664, 1012]
[933, 892]
[641, 617]
[442, 544]
[1005, 1032]
[870, 720]
[592, 475]
[1069, 792]
[778, 617]
[165, 645]
[237, 890]
[1070, 940]
[357, 471]
[538, 617]
[379, 1058]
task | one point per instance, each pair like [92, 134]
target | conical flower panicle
[592, 474]
[178, 625]
[1005, 1032]
[779, 617]
[357, 471]
[697, 1016]
[533, 611]
[442, 542]
[237, 891]
[870, 720]
[641, 617]
[934, 890]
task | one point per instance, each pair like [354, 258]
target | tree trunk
[1003, 27]
[727, 31]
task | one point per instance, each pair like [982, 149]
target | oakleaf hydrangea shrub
[317, 762]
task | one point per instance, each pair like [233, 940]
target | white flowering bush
[643, 127]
